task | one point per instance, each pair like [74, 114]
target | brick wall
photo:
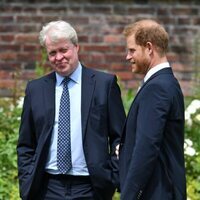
[99, 26]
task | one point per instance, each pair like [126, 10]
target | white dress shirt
[155, 69]
[78, 159]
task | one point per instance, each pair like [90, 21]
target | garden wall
[99, 26]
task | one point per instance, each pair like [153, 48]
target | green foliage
[9, 124]
[127, 98]
[193, 176]
[41, 67]
[116, 196]
[192, 149]
[127, 95]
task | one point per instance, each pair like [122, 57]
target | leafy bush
[9, 125]
[192, 149]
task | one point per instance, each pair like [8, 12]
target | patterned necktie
[64, 162]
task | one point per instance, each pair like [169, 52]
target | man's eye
[131, 50]
[64, 50]
[52, 53]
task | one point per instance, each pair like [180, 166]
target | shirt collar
[156, 69]
[75, 76]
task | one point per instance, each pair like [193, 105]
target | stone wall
[99, 26]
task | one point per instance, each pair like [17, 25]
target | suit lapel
[88, 85]
[162, 71]
[49, 97]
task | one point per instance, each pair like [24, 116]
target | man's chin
[62, 72]
[134, 70]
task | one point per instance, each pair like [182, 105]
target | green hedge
[9, 124]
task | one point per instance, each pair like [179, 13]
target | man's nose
[128, 56]
[59, 56]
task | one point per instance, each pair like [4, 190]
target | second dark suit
[151, 152]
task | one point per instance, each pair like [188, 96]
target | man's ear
[149, 46]
[77, 48]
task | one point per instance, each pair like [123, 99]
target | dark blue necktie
[64, 162]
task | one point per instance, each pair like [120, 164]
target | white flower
[1, 109]
[188, 142]
[187, 115]
[20, 102]
[191, 109]
[197, 117]
[196, 103]
[188, 118]
[194, 106]
[12, 107]
[190, 151]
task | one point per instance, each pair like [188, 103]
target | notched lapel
[49, 97]
[162, 71]
[88, 85]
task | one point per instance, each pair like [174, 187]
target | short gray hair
[58, 30]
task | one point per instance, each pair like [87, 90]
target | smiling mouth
[61, 64]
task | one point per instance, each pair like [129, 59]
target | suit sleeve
[152, 114]
[116, 122]
[26, 142]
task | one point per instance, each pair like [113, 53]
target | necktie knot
[66, 81]
[142, 83]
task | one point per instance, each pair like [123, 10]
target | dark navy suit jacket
[151, 151]
[102, 116]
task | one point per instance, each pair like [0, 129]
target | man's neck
[157, 61]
